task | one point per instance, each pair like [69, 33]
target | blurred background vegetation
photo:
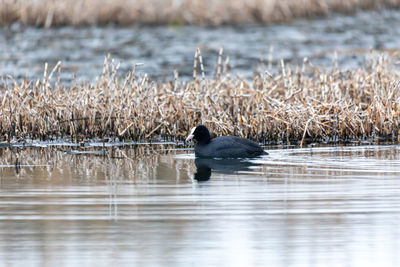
[194, 12]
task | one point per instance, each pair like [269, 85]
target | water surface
[163, 49]
[318, 206]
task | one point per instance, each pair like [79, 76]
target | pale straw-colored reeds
[299, 103]
[200, 12]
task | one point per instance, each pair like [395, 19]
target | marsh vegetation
[199, 12]
[296, 104]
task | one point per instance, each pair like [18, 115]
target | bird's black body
[228, 147]
[224, 146]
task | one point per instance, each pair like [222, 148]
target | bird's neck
[204, 142]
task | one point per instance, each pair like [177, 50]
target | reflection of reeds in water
[210, 12]
[143, 164]
[294, 104]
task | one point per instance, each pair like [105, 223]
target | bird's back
[229, 147]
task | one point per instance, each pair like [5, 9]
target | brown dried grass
[204, 12]
[296, 104]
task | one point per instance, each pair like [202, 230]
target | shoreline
[298, 103]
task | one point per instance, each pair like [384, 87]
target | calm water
[24, 50]
[326, 206]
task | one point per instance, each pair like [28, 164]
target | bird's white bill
[191, 135]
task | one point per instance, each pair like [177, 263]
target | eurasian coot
[224, 146]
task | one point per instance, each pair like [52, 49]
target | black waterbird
[224, 146]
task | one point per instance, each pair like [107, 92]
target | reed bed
[199, 12]
[295, 104]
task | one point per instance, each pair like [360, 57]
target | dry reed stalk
[195, 65]
[296, 105]
[219, 62]
[198, 52]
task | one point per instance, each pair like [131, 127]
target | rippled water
[336, 206]
[24, 50]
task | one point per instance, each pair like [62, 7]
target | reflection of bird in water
[225, 166]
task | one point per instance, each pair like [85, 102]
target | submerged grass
[299, 103]
[205, 12]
